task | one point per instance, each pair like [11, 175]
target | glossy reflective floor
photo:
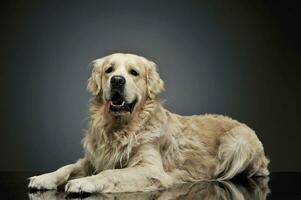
[13, 185]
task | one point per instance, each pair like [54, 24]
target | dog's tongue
[116, 100]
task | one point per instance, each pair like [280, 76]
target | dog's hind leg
[240, 151]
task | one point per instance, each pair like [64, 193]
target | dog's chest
[108, 155]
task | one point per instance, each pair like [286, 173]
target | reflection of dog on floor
[134, 144]
[248, 189]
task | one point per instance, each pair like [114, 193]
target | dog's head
[124, 81]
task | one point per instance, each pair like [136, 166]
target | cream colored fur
[152, 148]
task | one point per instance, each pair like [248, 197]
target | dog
[134, 144]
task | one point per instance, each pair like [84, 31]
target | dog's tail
[240, 151]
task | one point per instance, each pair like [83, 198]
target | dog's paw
[43, 182]
[82, 185]
[92, 184]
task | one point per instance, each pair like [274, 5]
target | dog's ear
[94, 82]
[155, 84]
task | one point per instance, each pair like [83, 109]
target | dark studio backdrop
[238, 58]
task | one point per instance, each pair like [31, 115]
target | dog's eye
[134, 72]
[109, 70]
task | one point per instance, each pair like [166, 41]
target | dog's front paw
[43, 182]
[81, 185]
[93, 184]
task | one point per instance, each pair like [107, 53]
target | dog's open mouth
[119, 105]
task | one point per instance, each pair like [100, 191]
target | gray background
[238, 58]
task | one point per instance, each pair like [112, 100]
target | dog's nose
[117, 81]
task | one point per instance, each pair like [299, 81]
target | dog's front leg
[50, 181]
[146, 175]
[120, 180]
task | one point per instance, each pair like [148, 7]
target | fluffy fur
[152, 148]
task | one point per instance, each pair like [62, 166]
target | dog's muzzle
[117, 101]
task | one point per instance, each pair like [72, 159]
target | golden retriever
[134, 144]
